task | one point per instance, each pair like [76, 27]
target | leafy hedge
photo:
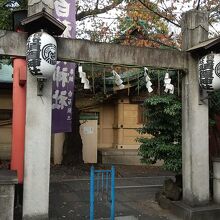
[163, 114]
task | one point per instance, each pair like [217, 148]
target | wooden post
[195, 147]
[18, 120]
[58, 140]
[119, 122]
[37, 143]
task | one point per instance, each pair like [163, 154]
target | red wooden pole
[18, 120]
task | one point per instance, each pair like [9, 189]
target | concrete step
[186, 212]
[73, 185]
[121, 218]
[119, 156]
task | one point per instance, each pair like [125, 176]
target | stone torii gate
[195, 149]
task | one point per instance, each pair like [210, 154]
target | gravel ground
[143, 208]
[67, 172]
[58, 172]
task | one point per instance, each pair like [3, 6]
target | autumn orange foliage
[143, 28]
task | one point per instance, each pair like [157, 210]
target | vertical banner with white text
[63, 78]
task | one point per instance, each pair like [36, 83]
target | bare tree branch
[150, 39]
[84, 14]
[198, 5]
[160, 42]
[158, 14]
[97, 4]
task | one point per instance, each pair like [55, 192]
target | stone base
[186, 212]
[36, 217]
[8, 179]
[119, 156]
[121, 218]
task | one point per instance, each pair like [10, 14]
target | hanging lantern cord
[93, 79]
[128, 86]
[104, 81]
[158, 82]
[178, 83]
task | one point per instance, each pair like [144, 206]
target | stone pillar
[195, 145]
[36, 6]
[8, 179]
[37, 140]
[216, 180]
[37, 150]
[58, 140]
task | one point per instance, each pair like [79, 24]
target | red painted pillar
[18, 119]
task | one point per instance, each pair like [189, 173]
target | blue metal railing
[104, 179]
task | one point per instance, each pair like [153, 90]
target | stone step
[121, 218]
[119, 156]
[186, 212]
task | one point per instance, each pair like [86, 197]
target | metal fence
[102, 187]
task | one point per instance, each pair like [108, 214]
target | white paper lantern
[209, 72]
[41, 54]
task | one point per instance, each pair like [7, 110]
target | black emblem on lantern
[217, 70]
[33, 54]
[206, 72]
[49, 53]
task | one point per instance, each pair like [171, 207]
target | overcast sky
[111, 19]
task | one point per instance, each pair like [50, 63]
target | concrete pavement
[69, 199]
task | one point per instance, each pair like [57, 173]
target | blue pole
[113, 193]
[92, 179]
[107, 182]
[102, 182]
[98, 177]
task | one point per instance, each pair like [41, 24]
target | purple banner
[63, 78]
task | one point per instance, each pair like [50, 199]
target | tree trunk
[72, 147]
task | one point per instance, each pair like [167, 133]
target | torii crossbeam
[14, 44]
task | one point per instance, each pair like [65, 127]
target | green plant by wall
[163, 114]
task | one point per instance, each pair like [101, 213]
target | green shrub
[163, 122]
